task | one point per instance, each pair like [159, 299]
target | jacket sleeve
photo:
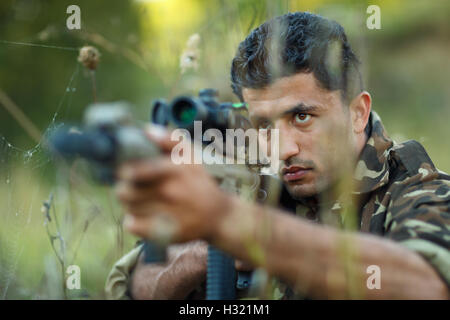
[419, 219]
[118, 280]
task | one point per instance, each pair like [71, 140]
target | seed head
[190, 57]
[89, 56]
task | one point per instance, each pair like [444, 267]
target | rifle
[110, 136]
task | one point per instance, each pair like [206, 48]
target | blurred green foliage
[406, 69]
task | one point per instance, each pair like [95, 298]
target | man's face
[314, 130]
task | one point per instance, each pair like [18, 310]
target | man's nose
[288, 145]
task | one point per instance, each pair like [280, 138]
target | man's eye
[264, 125]
[301, 118]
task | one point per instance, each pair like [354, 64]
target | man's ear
[360, 111]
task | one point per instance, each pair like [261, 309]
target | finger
[160, 136]
[131, 193]
[138, 226]
[146, 171]
[160, 227]
[142, 209]
[242, 265]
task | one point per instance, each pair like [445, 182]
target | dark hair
[293, 43]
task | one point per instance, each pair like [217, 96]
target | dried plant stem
[120, 237]
[48, 205]
[94, 86]
[119, 228]
[20, 117]
[86, 226]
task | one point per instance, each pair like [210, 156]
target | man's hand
[184, 272]
[163, 200]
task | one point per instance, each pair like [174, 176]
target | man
[298, 74]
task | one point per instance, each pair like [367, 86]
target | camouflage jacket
[408, 199]
[399, 194]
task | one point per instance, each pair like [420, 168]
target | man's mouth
[294, 173]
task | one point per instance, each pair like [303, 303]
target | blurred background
[406, 66]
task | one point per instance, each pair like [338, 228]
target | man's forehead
[285, 93]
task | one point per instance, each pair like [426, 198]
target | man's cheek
[329, 147]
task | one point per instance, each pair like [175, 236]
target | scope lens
[159, 113]
[184, 112]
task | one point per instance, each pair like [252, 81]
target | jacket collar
[372, 167]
